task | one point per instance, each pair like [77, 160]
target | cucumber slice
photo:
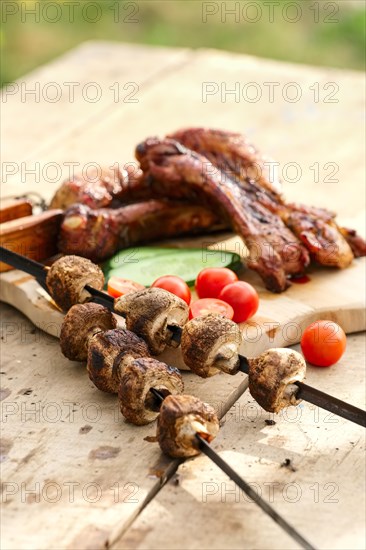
[146, 263]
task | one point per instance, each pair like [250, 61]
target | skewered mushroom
[150, 312]
[181, 418]
[80, 325]
[109, 353]
[67, 277]
[138, 404]
[272, 376]
[211, 343]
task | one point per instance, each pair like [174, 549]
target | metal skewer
[206, 448]
[308, 393]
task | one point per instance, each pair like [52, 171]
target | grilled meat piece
[174, 171]
[181, 418]
[357, 243]
[230, 152]
[211, 343]
[108, 355]
[98, 234]
[322, 238]
[67, 278]
[272, 375]
[150, 312]
[138, 404]
[80, 325]
[98, 188]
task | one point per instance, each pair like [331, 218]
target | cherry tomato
[211, 280]
[243, 298]
[323, 343]
[119, 287]
[175, 285]
[210, 305]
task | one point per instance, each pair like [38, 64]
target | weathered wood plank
[320, 493]
[67, 453]
[40, 450]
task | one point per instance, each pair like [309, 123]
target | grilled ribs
[98, 234]
[231, 153]
[223, 173]
[173, 171]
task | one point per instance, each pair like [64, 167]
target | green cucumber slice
[145, 264]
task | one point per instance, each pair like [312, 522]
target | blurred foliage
[327, 33]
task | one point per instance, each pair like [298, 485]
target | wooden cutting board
[336, 295]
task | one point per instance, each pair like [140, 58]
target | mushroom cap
[149, 312]
[211, 343]
[272, 376]
[108, 354]
[138, 405]
[80, 324]
[181, 418]
[67, 277]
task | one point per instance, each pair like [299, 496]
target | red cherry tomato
[175, 285]
[210, 305]
[211, 280]
[323, 343]
[119, 287]
[243, 298]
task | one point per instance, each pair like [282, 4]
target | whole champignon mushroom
[272, 376]
[79, 326]
[108, 354]
[67, 277]
[150, 312]
[138, 404]
[211, 343]
[181, 418]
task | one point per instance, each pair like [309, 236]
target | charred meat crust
[137, 403]
[210, 343]
[67, 278]
[231, 152]
[108, 354]
[149, 312]
[181, 417]
[80, 324]
[271, 375]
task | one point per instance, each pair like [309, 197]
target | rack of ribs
[231, 153]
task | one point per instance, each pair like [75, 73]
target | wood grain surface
[74, 474]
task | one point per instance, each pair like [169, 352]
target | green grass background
[28, 44]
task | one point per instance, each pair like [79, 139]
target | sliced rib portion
[98, 234]
[173, 171]
[98, 188]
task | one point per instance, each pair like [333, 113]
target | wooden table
[74, 475]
